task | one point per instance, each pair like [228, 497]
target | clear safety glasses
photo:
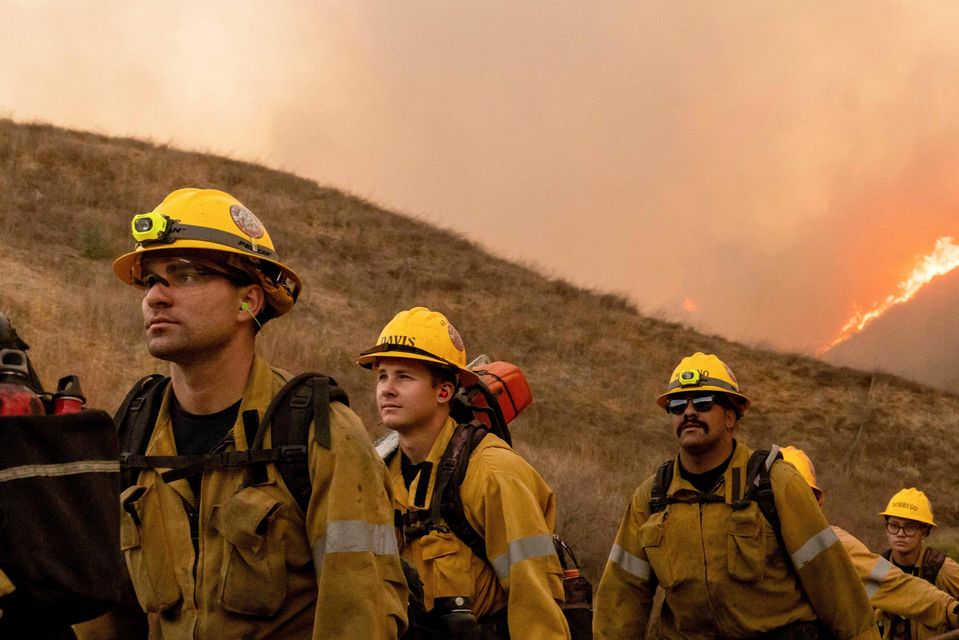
[183, 273]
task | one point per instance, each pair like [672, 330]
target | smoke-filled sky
[775, 164]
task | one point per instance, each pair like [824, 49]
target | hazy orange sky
[759, 169]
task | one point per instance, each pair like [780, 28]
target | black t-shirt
[198, 434]
[706, 481]
[409, 469]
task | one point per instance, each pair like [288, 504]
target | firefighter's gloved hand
[952, 615]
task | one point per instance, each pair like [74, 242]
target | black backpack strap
[464, 411]
[447, 503]
[932, 561]
[303, 399]
[135, 420]
[661, 482]
[759, 487]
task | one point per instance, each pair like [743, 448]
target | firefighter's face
[701, 430]
[407, 395]
[904, 535]
[189, 307]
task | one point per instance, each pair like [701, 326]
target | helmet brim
[888, 513]
[466, 376]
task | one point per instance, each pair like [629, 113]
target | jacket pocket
[144, 545]
[651, 538]
[446, 566]
[746, 544]
[253, 576]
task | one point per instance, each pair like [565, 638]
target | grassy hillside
[595, 363]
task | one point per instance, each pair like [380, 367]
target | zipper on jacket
[702, 542]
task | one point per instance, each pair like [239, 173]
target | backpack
[59, 530]
[932, 561]
[303, 399]
[487, 406]
[759, 488]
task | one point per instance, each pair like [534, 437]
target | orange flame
[690, 305]
[943, 259]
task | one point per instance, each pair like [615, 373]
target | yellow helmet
[420, 334]
[798, 458]
[703, 372]
[211, 220]
[911, 504]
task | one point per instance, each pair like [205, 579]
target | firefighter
[708, 543]
[515, 591]
[888, 587]
[908, 520]
[211, 555]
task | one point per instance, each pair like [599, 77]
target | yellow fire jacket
[897, 592]
[6, 587]
[723, 570]
[262, 567]
[947, 580]
[510, 505]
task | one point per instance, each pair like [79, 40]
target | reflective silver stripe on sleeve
[629, 563]
[876, 576]
[813, 547]
[62, 469]
[349, 536]
[522, 549]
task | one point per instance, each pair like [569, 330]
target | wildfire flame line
[943, 259]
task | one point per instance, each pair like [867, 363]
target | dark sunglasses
[702, 404]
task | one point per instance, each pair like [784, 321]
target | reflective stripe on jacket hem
[352, 536]
[522, 549]
[813, 547]
[629, 563]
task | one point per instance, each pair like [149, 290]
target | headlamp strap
[178, 231]
[703, 382]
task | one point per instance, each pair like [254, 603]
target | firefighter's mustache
[692, 422]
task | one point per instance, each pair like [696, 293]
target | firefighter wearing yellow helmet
[696, 529]
[507, 581]
[908, 521]
[221, 548]
[890, 590]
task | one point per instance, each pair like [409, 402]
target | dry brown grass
[594, 362]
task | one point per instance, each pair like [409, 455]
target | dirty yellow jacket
[723, 570]
[6, 586]
[946, 581]
[510, 505]
[896, 592]
[262, 568]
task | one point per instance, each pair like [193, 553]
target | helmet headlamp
[690, 378]
[151, 227]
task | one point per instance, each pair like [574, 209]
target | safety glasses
[701, 404]
[184, 274]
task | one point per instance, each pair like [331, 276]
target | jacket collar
[735, 474]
